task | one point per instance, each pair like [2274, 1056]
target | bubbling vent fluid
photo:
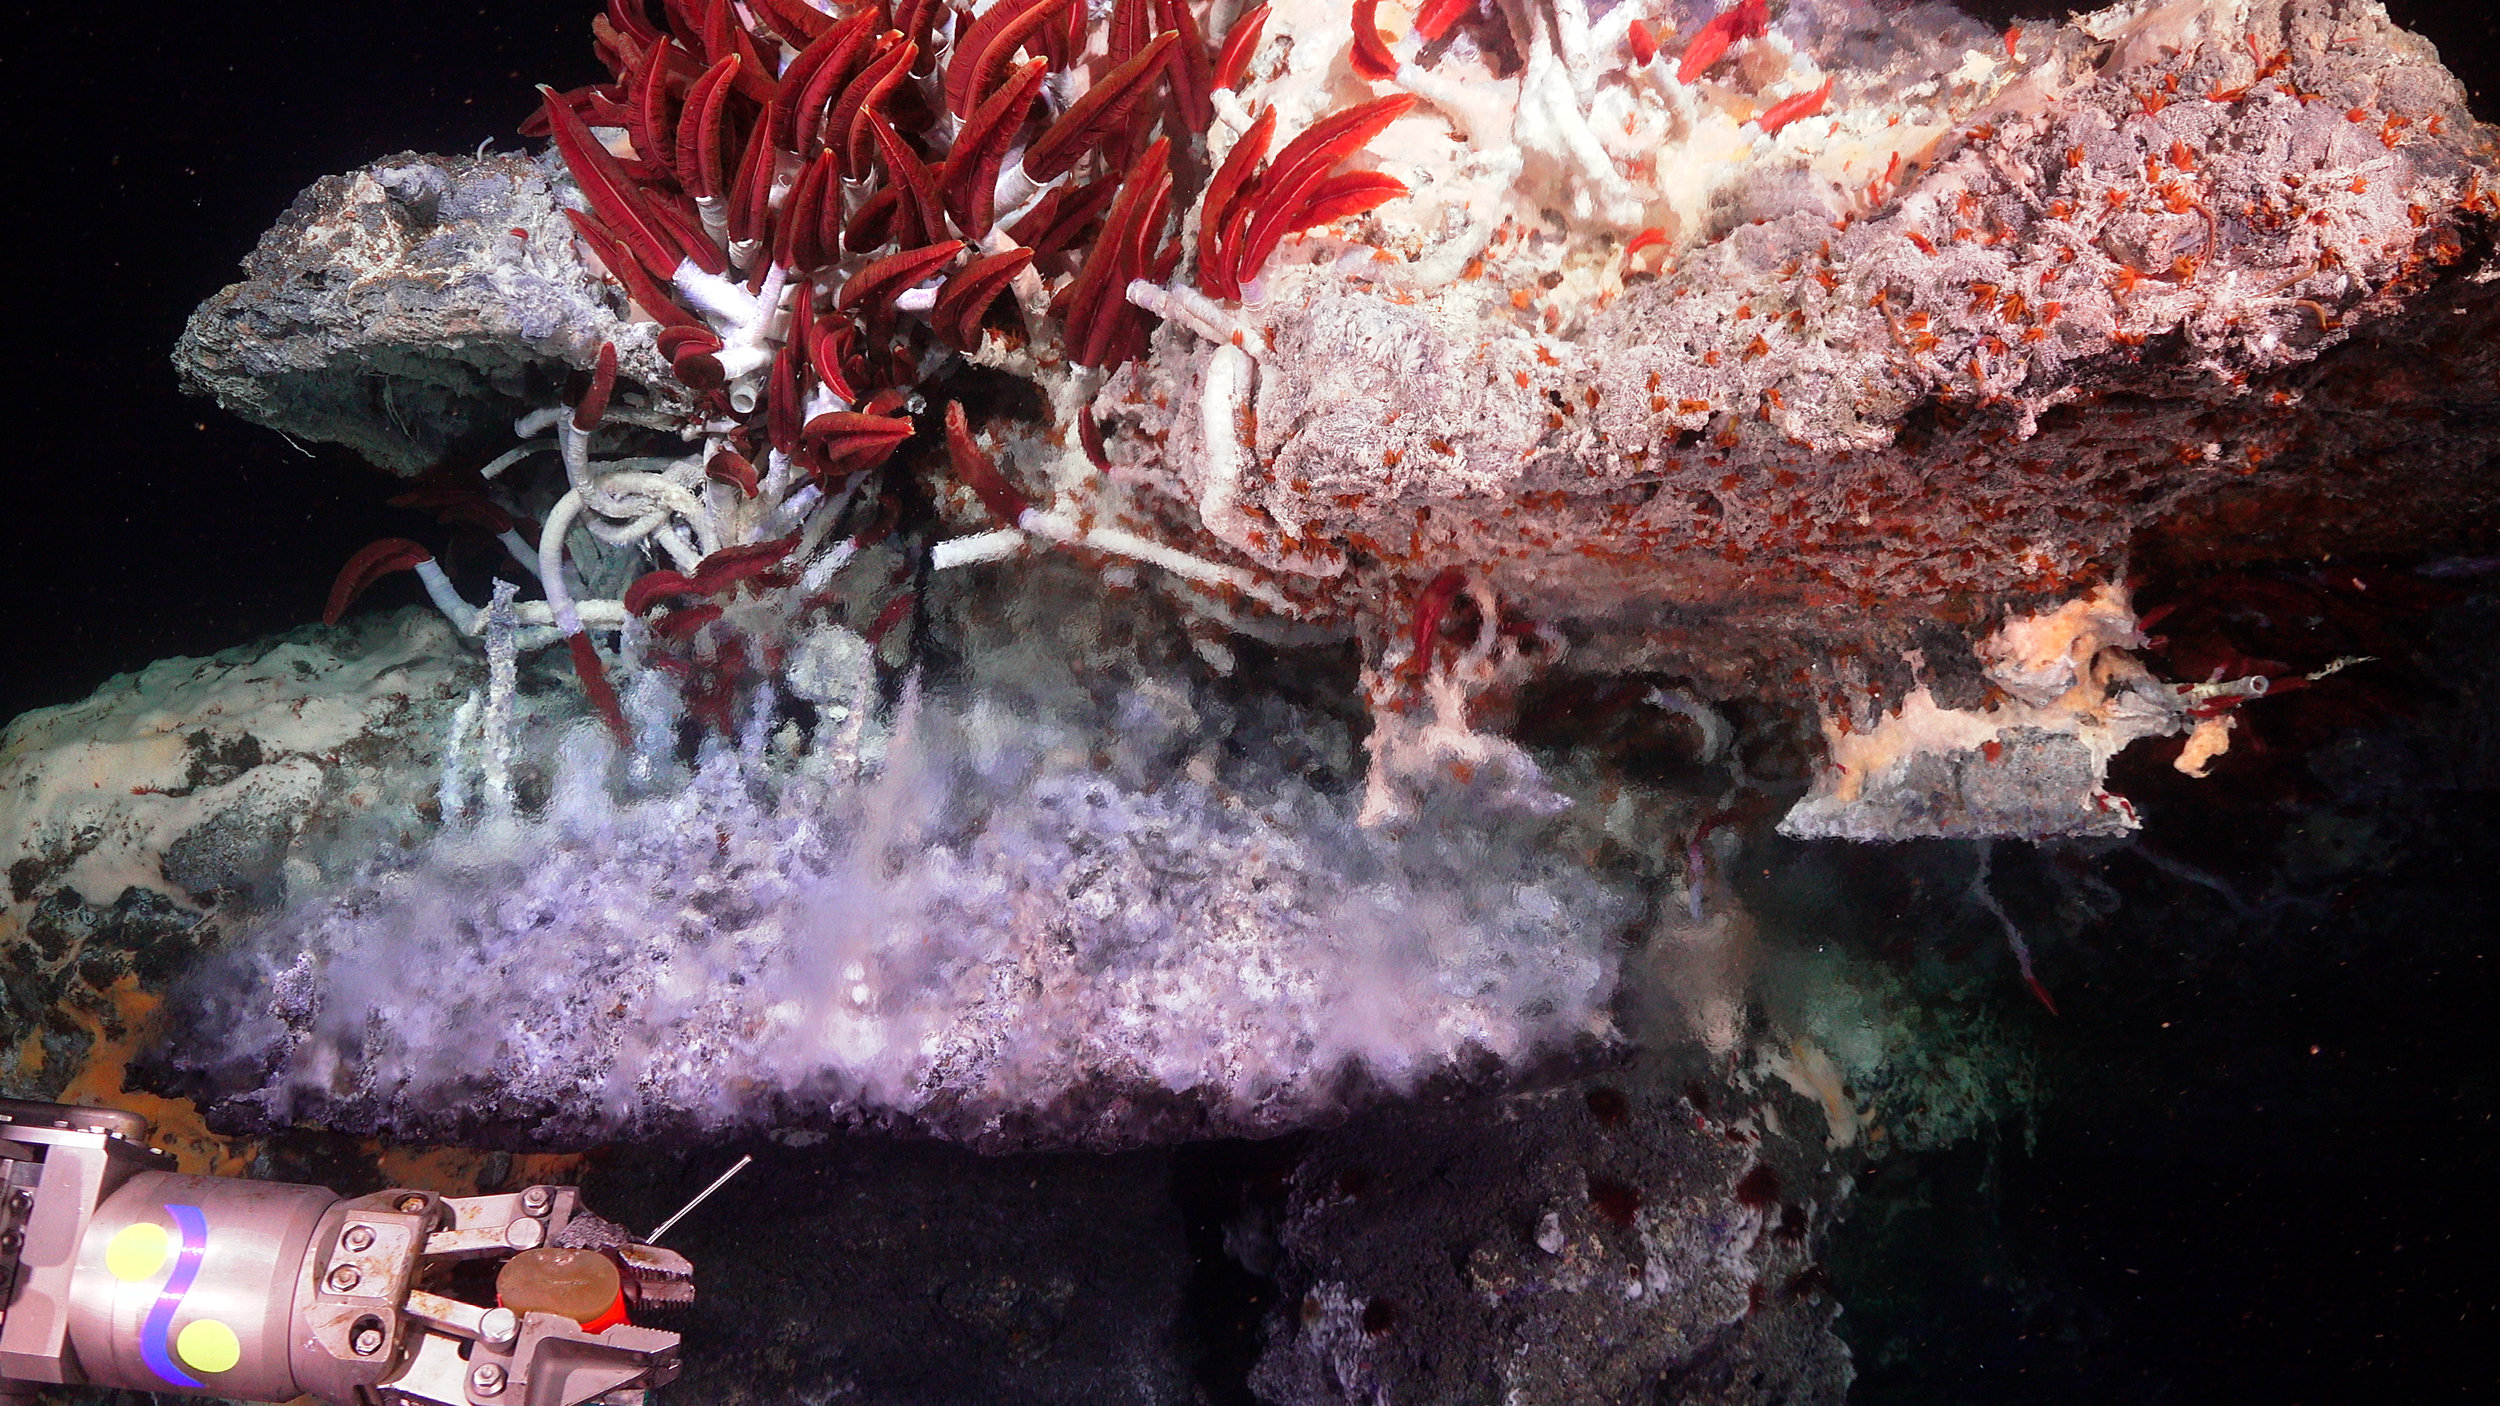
[1060, 894]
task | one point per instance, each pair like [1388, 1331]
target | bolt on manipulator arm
[116, 1271]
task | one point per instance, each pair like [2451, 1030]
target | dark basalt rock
[408, 307]
[1583, 1244]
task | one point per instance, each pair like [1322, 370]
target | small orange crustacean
[1787, 110]
[1748, 20]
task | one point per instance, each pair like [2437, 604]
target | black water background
[150, 146]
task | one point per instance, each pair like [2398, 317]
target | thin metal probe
[699, 1197]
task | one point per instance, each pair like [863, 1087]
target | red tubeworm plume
[368, 566]
[594, 406]
[1232, 62]
[1092, 117]
[889, 276]
[1371, 57]
[719, 572]
[916, 186]
[456, 495]
[595, 685]
[983, 52]
[1292, 193]
[970, 176]
[968, 293]
[840, 443]
[795, 22]
[979, 472]
[1232, 180]
[1061, 218]
[701, 142]
[655, 305]
[735, 469]
[847, 130]
[1438, 16]
[1193, 68]
[614, 195]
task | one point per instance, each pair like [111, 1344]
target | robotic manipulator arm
[116, 1271]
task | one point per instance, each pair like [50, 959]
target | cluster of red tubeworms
[864, 155]
[814, 206]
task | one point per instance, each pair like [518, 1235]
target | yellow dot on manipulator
[208, 1346]
[137, 1252]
